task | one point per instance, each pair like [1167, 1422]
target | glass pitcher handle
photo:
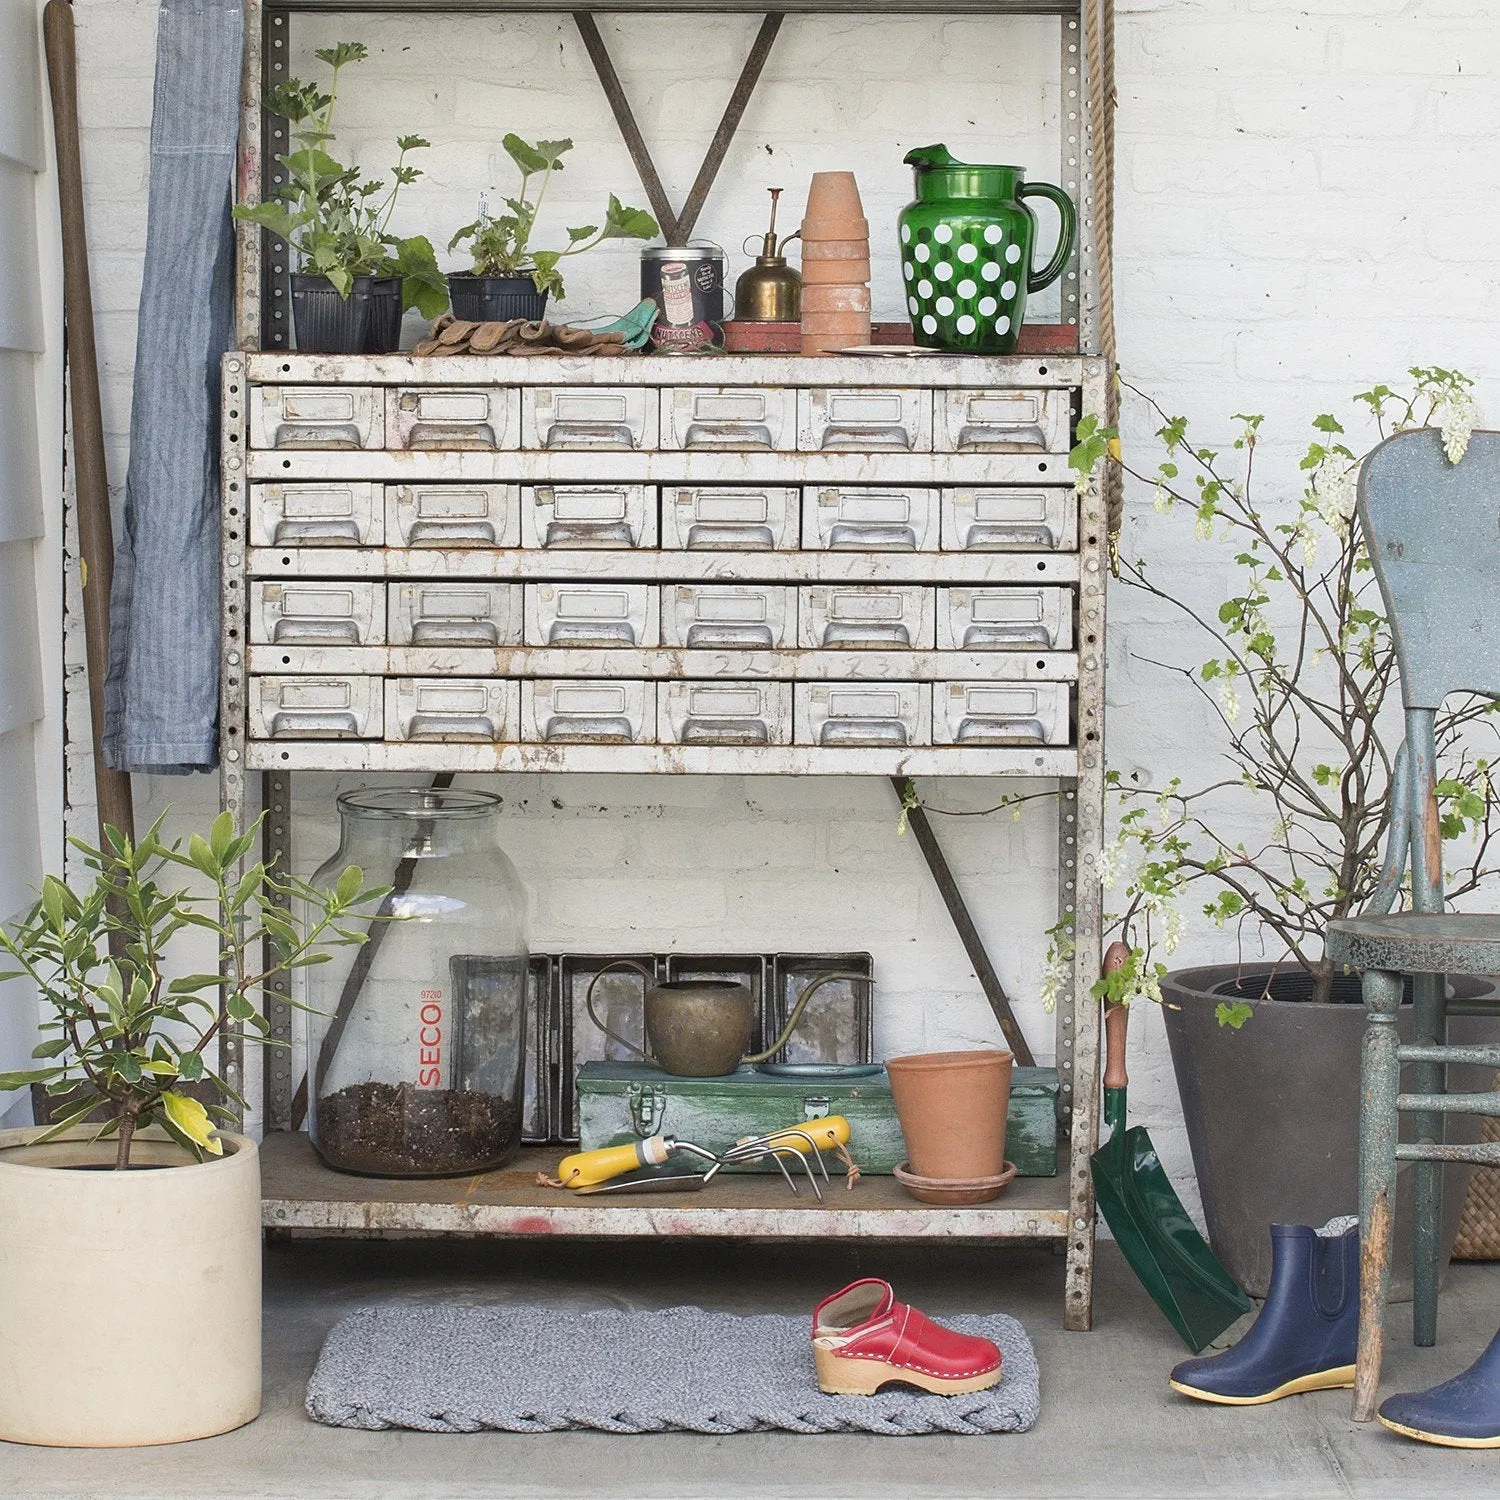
[1049, 273]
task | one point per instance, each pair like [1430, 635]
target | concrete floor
[1109, 1425]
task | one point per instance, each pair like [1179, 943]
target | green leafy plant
[337, 223]
[502, 246]
[122, 1034]
[1299, 677]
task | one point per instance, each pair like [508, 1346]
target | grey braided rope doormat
[447, 1368]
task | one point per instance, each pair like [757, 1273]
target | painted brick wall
[1306, 206]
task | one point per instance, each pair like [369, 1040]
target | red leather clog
[863, 1338]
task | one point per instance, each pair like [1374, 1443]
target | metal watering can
[700, 1028]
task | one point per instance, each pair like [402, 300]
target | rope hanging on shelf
[1099, 59]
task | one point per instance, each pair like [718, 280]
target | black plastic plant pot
[495, 299]
[383, 333]
[327, 323]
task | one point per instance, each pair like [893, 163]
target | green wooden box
[624, 1101]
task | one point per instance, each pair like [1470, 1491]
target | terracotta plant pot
[836, 273]
[857, 248]
[832, 199]
[835, 299]
[952, 1108]
[822, 333]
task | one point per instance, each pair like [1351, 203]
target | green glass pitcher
[966, 251]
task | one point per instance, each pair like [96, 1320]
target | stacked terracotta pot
[835, 266]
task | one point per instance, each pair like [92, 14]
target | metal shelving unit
[376, 459]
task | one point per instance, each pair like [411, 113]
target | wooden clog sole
[838, 1376]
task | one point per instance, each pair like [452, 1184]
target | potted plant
[130, 1226]
[510, 279]
[1296, 671]
[356, 277]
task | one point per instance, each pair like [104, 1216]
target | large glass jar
[417, 1038]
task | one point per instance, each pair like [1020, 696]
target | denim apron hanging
[162, 692]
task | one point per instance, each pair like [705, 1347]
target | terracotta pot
[857, 248]
[836, 272]
[952, 1108]
[835, 299]
[822, 333]
[851, 231]
[832, 195]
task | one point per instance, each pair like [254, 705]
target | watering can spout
[796, 1015]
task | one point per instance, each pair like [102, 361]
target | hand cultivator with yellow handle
[635, 1167]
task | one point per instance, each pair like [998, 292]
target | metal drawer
[317, 416]
[1005, 617]
[317, 614]
[1000, 713]
[316, 515]
[725, 713]
[590, 417]
[455, 614]
[729, 419]
[485, 418]
[316, 708]
[482, 710]
[592, 614]
[707, 517]
[978, 518]
[863, 713]
[837, 420]
[453, 515]
[866, 617]
[588, 515]
[856, 518]
[991, 421]
[746, 616]
[569, 711]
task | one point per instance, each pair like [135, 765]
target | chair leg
[1430, 1030]
[1380, 1080]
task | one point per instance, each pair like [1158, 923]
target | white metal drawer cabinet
[592, 614]
[317, 416]
[726, 419]
[863, 713]
[858, 518]
[475, 710]
[891, 617]
[474, 614]
[748, 616]
[994, 421]
[982, 518]
[453, 515]
[317, 614]
[317, 515]
[1000, 713]
[332, 707]
[619, 417]
[725, 713]
[1005, 617]
[588, 515]
[564, 711]
[485, 419]
[707, 518]
[831, 419]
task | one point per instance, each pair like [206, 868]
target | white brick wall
[1306, 205]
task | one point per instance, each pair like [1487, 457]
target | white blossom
[1204, 528]
[1460, 415]
[1334, 491]
[1229, 699]
[1111, 857]
[1173, 923]
[1161, 498]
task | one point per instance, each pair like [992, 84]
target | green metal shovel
[1146, 1216]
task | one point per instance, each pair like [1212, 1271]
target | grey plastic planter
[1272, 1114]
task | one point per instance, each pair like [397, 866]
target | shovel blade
[1160, 1241]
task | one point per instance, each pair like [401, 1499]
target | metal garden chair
[1433, 532]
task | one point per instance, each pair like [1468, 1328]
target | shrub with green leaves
[501, 246]
[124, 1036]
[337, 223]
[1298, 672]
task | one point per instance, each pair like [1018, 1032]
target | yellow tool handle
[589, 1168]
[827, 1134]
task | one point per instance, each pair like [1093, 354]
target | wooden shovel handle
[1116, 1019]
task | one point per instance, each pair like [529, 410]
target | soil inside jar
[399, 1130]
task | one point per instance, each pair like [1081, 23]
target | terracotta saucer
[955, 1190]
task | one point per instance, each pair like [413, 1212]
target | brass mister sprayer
[770, 291]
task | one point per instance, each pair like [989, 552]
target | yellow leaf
[1114, 449]
[192, 1120]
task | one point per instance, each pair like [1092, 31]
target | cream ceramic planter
[129, 1301]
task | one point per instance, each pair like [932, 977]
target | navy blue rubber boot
[1461, 1413]
[1307, 1332]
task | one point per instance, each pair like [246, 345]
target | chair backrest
[1433, 531]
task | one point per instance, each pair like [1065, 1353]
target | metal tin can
[687, 283]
